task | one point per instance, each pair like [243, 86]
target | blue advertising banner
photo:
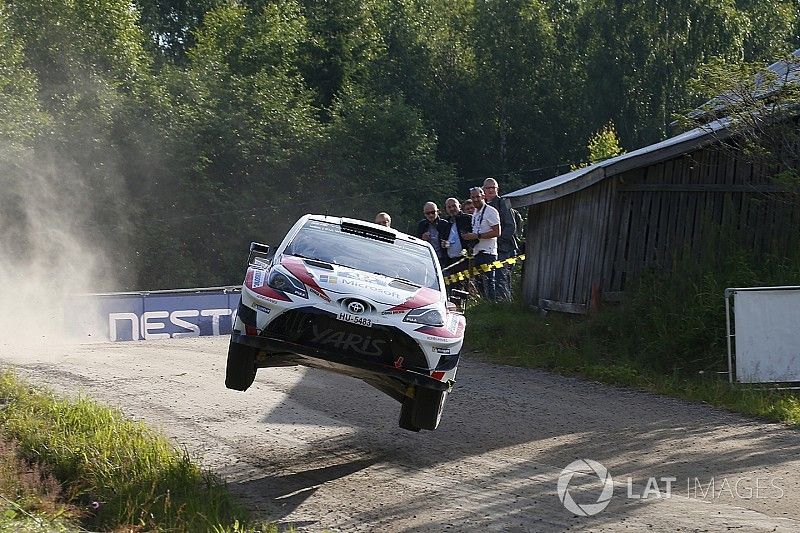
[153, 315]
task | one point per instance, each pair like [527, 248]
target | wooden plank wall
[564, 253]
[649, 217]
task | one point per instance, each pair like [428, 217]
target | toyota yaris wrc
[355, 298]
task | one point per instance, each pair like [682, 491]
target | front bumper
[282, 352]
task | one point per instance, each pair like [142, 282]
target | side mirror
[259, 255]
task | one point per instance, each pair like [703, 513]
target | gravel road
[323, 451]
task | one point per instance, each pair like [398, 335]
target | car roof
[339, 220]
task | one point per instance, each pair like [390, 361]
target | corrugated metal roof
[584, 177]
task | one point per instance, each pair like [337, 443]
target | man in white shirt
[486, 229]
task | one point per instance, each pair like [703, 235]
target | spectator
[462, 223]
[507, 241]
[383, 219]
[468, 206]
[486, 229]
[436, 231]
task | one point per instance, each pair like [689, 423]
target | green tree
[514, 43]
[344, 41]
[604, 144]
[381, 157]
[22, 119]
[759, 107]
[171, 24]
[638, 56]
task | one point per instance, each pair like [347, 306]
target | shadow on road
[506, 435]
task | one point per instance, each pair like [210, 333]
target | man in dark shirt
[436, 231]
[507, 242]
[462, 220]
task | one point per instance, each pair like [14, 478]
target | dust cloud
[51, 252]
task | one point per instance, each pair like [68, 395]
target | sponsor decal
[258, 278]
[263, 309]
[320, 294]
[347, 341]
[153, 325]
[445, 351]
[326, 278]
[360, 284]
[363, 276]
[452, 323]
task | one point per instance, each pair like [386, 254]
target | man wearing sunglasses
[436, 231]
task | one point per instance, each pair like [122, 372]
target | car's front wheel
[240, 372]
[424, 411]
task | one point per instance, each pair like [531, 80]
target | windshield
[401, 259]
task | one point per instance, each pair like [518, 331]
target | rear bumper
[283, 352]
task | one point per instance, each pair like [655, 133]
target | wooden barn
[591, 230]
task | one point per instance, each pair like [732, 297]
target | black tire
[240, 371]
[424, 411]
[428, 407]
[407, 415]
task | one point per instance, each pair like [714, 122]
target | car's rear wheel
[240, 371]
[424, 411]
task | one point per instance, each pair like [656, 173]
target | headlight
[283, 282]
[428, 317]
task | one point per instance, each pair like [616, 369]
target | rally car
[356, 298]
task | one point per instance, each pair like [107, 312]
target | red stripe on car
[264, 289]
[297, 267]
[441, 331]
[421, 298]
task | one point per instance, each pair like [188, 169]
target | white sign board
[767, 334]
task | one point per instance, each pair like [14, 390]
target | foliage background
[195, 126]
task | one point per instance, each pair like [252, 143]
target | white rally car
[355, 298]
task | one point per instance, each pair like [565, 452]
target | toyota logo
[356, 308]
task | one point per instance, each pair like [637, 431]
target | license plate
[354, 319]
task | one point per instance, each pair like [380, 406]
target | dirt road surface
[323, 451]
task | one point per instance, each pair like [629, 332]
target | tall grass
[30, 495]
[121, 472]
[668, 336]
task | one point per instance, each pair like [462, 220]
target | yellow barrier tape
[476, 271]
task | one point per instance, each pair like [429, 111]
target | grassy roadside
[30, 497]
[613, 348]
[89, 467]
